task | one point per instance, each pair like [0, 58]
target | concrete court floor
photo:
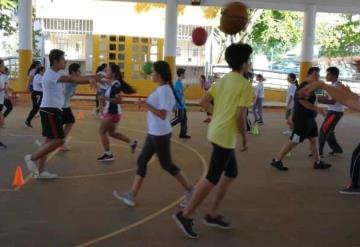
[267, 207]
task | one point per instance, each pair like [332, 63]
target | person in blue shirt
[180, 108]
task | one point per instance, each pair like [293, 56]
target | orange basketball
[234, 18]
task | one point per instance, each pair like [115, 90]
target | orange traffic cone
[18, 179]
[81, 115]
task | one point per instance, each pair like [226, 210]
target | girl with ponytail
[159, 105]
[112, 112]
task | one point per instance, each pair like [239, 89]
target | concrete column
[308, 40]
[171, 35]
[25, 41]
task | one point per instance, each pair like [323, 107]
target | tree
[6, 9]
[145, 7]
[340, 39]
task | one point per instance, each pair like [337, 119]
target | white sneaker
[287, 132]
[65, 147]
[45, 175]
[126, 197]
[31, 165]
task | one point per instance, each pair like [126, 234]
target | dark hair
[34, 64]
[39, 70]
[293, 77]
[163, 69]
[55, 55]
[312, 70]
[1, 62]
[180, 72]
[333, 71]
[237, 54]
[74, 67]
[6, 69]
[125, 87]
[203, 77]
[101, 67]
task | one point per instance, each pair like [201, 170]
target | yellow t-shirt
[229, 93]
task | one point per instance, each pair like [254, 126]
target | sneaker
[287, 132]
[333, 153]
[65, 148]
[184, 136]
[45, 175]
[187, 198]
[27, 124]
[350, 191]
[185, 225]
[106, 158]
[133, 145]
[217, 222]
[126, 197]
[208, 120]
[278, 165]
[2, 146]
[31, 165]
[321, 166]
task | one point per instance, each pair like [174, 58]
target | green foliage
[341, 39]
[275, 32]
[6, 9]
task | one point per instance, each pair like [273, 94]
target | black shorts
[1, 107]
[222, 160]
[51, 122]
[304, 129]
[67, 116]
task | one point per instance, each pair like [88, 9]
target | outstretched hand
[306, 91]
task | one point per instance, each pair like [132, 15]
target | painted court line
[157, 213]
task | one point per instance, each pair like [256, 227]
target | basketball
[199, 36]
[147, 68]
[234, 18]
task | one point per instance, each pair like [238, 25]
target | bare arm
[158, 112]
[78, 79]
[205, 103]
[240, 120]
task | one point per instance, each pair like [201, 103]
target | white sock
[108, 152]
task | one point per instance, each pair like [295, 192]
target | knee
[171, 168]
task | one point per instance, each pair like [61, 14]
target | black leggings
[9, 107]
[327, 132]
[355, 168]
[36, 98]
[161, 146]
[222, 160]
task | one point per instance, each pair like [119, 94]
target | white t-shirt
[37, 86]
[291, 93]
[3, 80]
[337, 106]
[53, 95]
[163, 99]
[260, 90]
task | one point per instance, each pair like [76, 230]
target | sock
[108, 152]
[318, 162]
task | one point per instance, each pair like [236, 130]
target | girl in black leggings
[159, 104]
[36, 95]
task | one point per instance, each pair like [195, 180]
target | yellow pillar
[25, 42]
[304, 67]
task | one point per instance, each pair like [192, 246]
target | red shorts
[115, 118]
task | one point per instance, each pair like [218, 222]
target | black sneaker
[185, 225]
[217, 222]
[278, 165]
[2, 146]
[106, 158]
[28, 124]
[133, 146]
[321, 166]
[184, 136]
[350, 191]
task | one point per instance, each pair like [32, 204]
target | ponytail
[125, 87]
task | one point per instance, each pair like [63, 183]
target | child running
[36, 95]
[112, 112]
[159, 105]
[67, 114]
[305, 126]
[232, 95]
[51, 114]
[291, 78]
[259, 99]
